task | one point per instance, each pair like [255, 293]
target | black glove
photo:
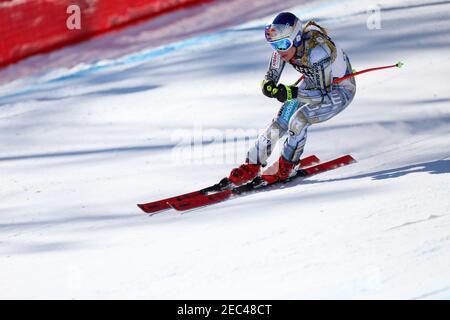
[283, 92]
[267, 87]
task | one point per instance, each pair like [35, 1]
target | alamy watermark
[73, 21]
[221, 146]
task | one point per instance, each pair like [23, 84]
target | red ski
[204, 200]
[164, 204]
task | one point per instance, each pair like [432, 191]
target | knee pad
[297, 124]
[294, 144]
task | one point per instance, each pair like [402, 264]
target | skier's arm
[273, 74]
[275, 68]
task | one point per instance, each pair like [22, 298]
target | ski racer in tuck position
[326, 87]
[315, 99]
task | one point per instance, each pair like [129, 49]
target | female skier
[316, 56]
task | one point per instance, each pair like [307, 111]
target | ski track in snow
[87, 140]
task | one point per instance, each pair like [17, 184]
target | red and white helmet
[284, 32]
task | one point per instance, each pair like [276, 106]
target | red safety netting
[34, 26]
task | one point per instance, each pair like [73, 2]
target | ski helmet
[284, 32]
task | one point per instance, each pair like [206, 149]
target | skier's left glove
[283, 92]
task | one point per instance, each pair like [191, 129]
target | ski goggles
[282, 44]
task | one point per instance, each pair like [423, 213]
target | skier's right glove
[267, 87]
[283, 92]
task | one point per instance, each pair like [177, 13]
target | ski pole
[397, 65]
[354, 74]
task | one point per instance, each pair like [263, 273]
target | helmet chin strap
[295, 52]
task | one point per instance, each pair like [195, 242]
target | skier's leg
[257, 155]
[334, 103]
[264, 144]
[292, 150]
[306, 115]
[295, 142]
[261, 150]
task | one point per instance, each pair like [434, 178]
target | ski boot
[244, 174]
[279, 171]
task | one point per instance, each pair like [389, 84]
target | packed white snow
[83, 143]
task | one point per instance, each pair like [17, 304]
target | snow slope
[81, 145]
